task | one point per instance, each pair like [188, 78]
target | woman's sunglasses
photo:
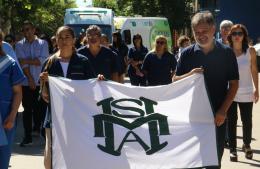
[237, 34]
[160, 42]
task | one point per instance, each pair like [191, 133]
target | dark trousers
[33, 110]
[246, 118]
[220, 134]
[136, 80]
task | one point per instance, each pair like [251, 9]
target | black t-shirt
[220, 66]
[159, 70]
[104, 63]
[122, 54]
[136, 55]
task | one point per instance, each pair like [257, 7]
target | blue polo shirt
[104, 63]
[10, 76]
[220, 66]
[159, 70]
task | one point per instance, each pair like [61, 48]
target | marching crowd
[229, 66]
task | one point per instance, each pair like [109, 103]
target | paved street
[32, 157]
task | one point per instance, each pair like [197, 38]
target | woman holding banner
[159, 64]
[66, 62]
[10, 98]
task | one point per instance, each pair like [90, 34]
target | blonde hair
[164, 39]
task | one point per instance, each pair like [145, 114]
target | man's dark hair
[9, 38]
[202, 17]
[94, 28]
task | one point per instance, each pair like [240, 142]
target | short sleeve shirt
[9, 51]
[104, 63]
[220, 66]
[37, 49]
[11, 76]
[159, 70]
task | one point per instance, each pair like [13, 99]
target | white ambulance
[147, 27]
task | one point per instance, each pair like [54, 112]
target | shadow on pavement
[252, 164]
[37, 147]
[240, 137]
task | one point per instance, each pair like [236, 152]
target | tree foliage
[46, 14]
[49, 14]
[178, 12]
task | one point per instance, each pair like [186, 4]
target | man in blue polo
[31, 53]
[102, 59]
[8, 48]
[218, 64]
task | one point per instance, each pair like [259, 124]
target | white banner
[106, 125]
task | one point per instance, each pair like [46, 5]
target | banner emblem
[103, 125]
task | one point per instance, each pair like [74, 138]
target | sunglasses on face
[160, 42]
[237, 34]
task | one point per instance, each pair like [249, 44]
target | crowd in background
[33, 57]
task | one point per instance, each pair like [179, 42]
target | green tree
[47, 14]
[178, 12]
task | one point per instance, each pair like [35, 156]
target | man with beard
[218, 64]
